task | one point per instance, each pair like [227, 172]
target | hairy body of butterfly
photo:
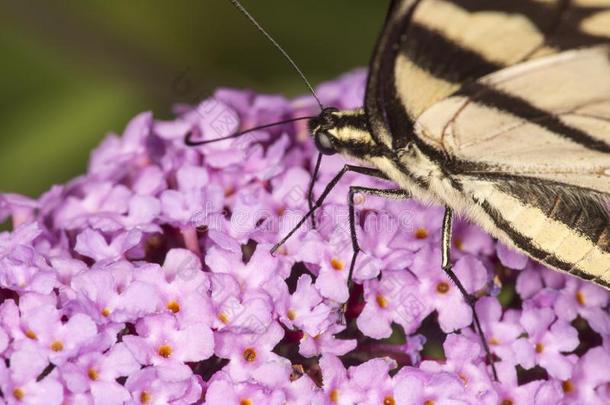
[523, 151]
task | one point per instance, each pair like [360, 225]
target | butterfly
[497, 110]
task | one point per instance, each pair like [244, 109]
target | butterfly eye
[324, 144]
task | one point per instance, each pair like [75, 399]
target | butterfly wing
[549, 118]
[428, 49]
[530, 147]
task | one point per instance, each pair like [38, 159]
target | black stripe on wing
[443, 58]
[511, 104]
[558, 21]
[581, 209]
[528, 245]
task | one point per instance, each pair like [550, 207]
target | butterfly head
[323, 131]
[343, 132]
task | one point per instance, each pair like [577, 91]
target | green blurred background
[72, 71]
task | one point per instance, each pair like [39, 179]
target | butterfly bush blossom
[149, 280]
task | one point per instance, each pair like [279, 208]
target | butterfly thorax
[347, 133]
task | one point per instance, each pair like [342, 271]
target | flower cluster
[148, 280]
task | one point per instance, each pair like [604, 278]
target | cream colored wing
[558, 225]
[549, 119]
[528, 148]
[430, 48]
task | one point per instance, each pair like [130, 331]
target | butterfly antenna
[249, 16]
[190, 141]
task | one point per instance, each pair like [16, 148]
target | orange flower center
[292, 315]
[382, 301]
[92, 374]
[165, 351]
[145, 397]
[224, 318]
[57, 346]
[567, 386]
[539, 348]
[18, 394]
[30, 334]
[337, 264]
[173, 306]
[334, 396]
[249, 355]
[442, 287]
[421, 233]
[389, 400]
[580, 298]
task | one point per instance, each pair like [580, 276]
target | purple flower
[336, 384]
[511, 258]
[440, 292]
[464, 359]
[146, 386]
[331, 279]
[19, 381]
[18, 207]
[22, 268]
[373, 380]
[501, 329]
[192, 195]
[179, 287]
[149, 279]
[39, 325]
[395, 298]
[96, 373]
[116, 153]
[415, 386]
[589, 382]
[223, 390]
[424, 225]
[535, 277]
[93, 244]
[470, 239]
[162, 343]
[249, 312]
[535, 392]
[586, 300]
[326, 342]
[251, 355]
[306, 310]
[112, 294]
[259, 270]
[547, 340]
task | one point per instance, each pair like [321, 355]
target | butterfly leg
[331, 184]
[397, 194]
[353, 190]
[312, 183]
[470, 299]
